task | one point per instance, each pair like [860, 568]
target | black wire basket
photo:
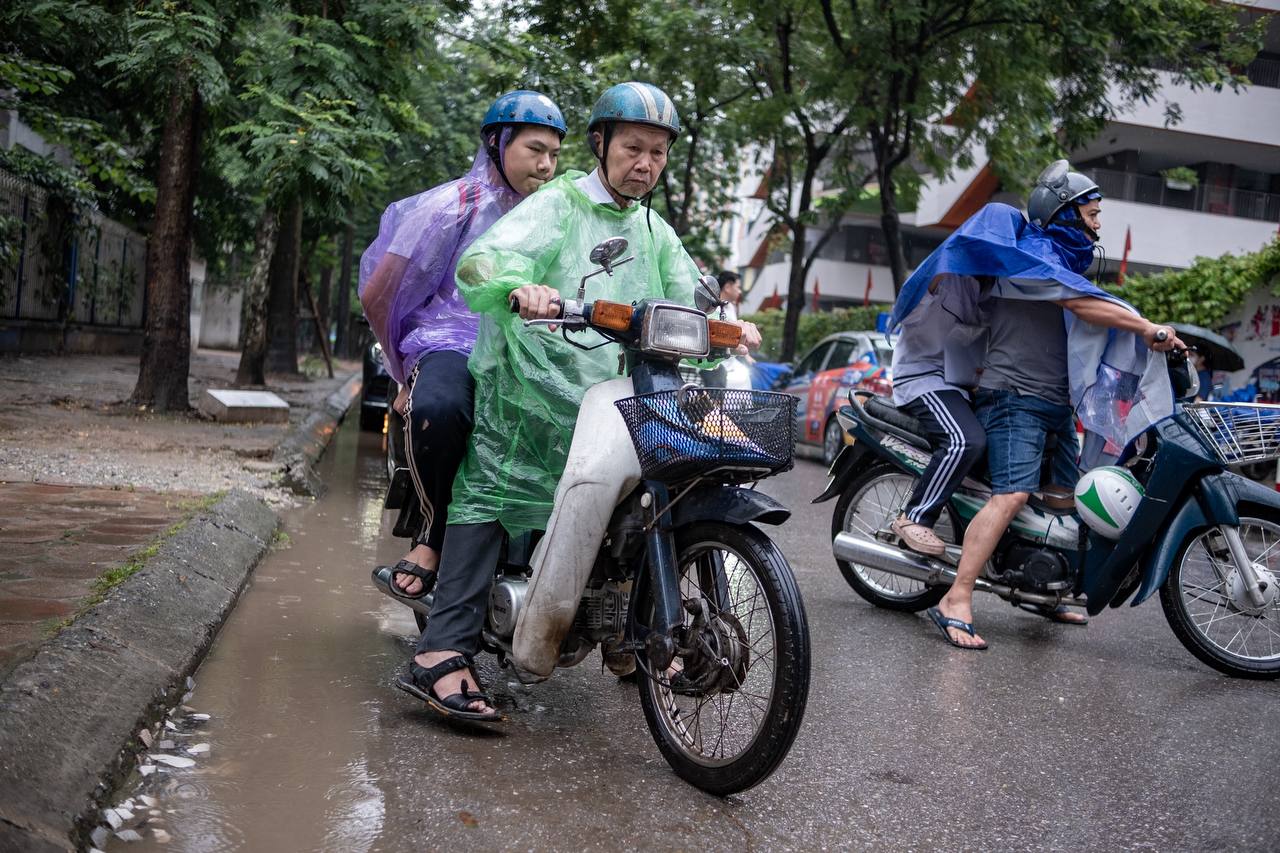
[726, 434]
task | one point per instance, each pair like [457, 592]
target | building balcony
[1206, 198]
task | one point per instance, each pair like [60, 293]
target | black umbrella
[1213, 346]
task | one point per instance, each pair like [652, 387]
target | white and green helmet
[1107, 498]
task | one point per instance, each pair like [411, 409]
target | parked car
[824, 376]
[377, 391]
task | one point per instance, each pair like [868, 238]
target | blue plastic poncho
[530, 382]
[1118, 389]
[418, 309]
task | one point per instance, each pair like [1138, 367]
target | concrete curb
[69, 717]
[303, 446]
[65, 713]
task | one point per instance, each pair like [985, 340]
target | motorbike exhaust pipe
[899, 561]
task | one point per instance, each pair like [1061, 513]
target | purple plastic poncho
[407, 273]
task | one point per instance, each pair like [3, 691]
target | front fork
[1254, 586]
[664, 583]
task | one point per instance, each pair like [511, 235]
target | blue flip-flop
[945, 622]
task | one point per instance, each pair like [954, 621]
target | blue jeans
[1017, 426]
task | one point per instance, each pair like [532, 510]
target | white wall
[220, 325]
[1250, 330]
[835, 278]
[1168, 236]
[1251, 115]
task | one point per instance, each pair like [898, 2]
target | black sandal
[422, 681]
[404, 567]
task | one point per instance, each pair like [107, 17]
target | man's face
[731, 291]
[1090, 213]
[530, 158]
[636, 157]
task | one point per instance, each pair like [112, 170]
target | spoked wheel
[832, 441]
[868, 505]
[725, 713]
[1210, 611]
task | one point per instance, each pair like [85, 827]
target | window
[814, 360]
[843, 353]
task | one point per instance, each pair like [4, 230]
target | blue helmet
[636, 103]
[524, 107]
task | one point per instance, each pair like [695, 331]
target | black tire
[913, 595]
[832, 441]
[1196, 636]
[371, 418]
[735, 556]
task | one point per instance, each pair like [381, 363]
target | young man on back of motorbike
[1027, 386]
[530, 385]
[408, 292]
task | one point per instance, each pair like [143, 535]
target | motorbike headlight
[675, 330]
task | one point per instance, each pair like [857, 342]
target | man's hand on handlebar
[750, 338]
[1162, 338]
[536, 302]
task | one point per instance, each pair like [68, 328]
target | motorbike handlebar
[514, 304]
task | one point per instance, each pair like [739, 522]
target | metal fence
[1208, 198]
[95, 278]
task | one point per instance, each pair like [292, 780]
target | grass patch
[280, 540]
[112, 578]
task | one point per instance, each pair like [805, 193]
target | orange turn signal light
[724, 334]
[611, 315]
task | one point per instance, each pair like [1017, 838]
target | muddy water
[313, 749]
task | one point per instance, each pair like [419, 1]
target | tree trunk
[891, 225]
[795, 292]
[282, 304]
[343, 312]
[166, 341]
[324, 300]
[253, 309]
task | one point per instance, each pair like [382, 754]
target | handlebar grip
[514, 304]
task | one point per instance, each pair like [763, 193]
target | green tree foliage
[1207, 291]
[1027, 78]
[802, 120]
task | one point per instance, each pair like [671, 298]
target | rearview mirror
[706, 293]
[605, 253]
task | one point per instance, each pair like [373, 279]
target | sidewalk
[125, 538]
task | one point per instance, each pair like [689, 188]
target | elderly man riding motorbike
[530, 386]
[414, 308]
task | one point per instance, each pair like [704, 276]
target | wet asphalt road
[1110, 736]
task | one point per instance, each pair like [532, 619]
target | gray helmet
[1056, 188]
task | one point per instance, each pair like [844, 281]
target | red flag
[815, 294]
[866, 294]
[1124, 260]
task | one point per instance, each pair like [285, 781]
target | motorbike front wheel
[868, 505]
[1205, 604]
[725, 717]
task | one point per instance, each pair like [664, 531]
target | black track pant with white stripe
[958, 441]
[437, 423]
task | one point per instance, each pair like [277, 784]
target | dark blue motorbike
[1206, 539]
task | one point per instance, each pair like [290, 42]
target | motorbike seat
[887, 417]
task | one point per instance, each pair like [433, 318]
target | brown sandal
[918, 538]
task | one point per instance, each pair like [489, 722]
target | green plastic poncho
[529, 381]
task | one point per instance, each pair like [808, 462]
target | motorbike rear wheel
[1203, 602]
[868, 505]
[734, 735]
